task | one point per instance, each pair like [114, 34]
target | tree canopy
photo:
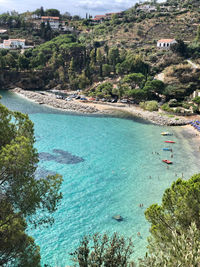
[101, 250]
[23, 198]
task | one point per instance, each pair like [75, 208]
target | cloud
[100, 5]
[75, 7]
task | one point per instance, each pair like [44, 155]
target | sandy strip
[118, 109]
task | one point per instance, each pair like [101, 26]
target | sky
[74, 7]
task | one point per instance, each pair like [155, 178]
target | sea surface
[110, 166]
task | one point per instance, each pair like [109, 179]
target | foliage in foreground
[180, 207]
[101, 250]
[22, 197]
[174, 240]
[175, 226]
[182, 250]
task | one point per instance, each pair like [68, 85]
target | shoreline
[100, 108]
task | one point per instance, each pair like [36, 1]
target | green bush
[149, 105]
[166, 107]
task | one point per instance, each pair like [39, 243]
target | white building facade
[166, 43]
[53, 22]
[13, 44]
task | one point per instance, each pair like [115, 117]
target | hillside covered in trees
[116, 58]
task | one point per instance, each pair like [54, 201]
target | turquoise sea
[110, 166]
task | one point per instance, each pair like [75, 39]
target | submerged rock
[118, 218]
[60, 156]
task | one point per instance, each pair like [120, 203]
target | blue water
[109, 166]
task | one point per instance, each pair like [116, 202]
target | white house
[2, 31]
[53, 22]
[147, 8]
[13, 44]
[166, 43]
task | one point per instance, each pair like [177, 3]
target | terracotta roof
[46, 17]
[97, 19]
[166, 40]
[100, 16]
[11, 40]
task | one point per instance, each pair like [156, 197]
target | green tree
[154, 87]
[137, 94]
[113, 57]
[52, 12]
[180, 207]
[180, 48]
[17, 247]
[83, 80]
[101, 250]
[23, 198]
[10, 61]
[93, 55]
[106, 69]
[23, 62]
[196, 100]
[182, 250]
[198, 35]
[48, 32]
[2, 62]
[39, 12]
[100, 61]
[134, 79]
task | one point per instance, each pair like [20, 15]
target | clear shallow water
[111, 168]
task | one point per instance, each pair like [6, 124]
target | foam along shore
[77, 106]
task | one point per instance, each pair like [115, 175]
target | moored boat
[167, 161]
[167, 149]
[171, 142]
[166, 134]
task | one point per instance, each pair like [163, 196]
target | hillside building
[147, 8]
[14, 44]
[53, 22]
[99, 18]
[165, 43]
[2, 31]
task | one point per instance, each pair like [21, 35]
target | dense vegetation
[23, 198]
[174, 239]
[114, 60]
[92, 60]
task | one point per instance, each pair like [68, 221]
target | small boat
[167, 161]
[171, 142]
[167, 149]
[166, 134]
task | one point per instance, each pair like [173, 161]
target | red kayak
[167, 161]
[171, 142]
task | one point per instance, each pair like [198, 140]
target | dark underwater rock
[118, 218]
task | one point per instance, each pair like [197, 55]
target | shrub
[149, 105]
[166, 107]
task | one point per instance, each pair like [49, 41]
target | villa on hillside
[165, 43]
[99, 18]
[107, 16]
[14, 44]
[2, 31]
[147, 8]
[53, 22]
